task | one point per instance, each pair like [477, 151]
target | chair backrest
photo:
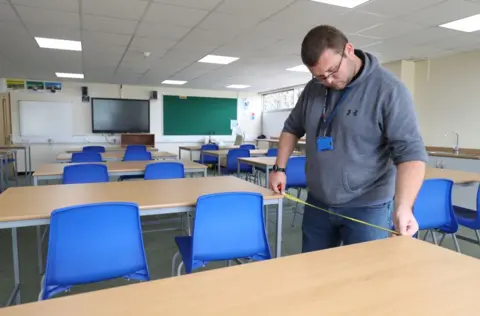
[233, 155]
[136, 147]
[433, 206]
[93, 149]
[85, 173]
[247, 146]
[94, 242]
[137, 155]
[164, 170]
[207, 158]
[87, 157]
[272, 152]
[230, 225]
[296, 175]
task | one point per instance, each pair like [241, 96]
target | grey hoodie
[374, 129]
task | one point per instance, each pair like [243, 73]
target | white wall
[447, 96]
[42, 152]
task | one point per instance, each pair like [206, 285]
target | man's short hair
[318, 40]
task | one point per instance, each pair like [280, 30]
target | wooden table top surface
[119, 155]
[194, 148]
[14, 146]
[456, 176]
[269, 140]
[107, 149]
[33, 202]
[113, 166]
[391, 277]
[253, 152]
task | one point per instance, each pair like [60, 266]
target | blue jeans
[322, 230]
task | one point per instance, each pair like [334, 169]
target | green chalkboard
[198, 115]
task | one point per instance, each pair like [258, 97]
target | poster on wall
[35, 85]
[15, 84]
[53, 86]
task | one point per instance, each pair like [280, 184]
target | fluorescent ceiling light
[68, 75]
[343, 3]
[58, 44]
[175, 82]
[299, 68]
[469, 24]
[215, 59]
[238, 86]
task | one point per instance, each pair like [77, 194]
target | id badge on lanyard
[325, 142]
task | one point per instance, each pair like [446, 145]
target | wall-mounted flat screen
[120, 116]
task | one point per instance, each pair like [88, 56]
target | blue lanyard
[327, 120]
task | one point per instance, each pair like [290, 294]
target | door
[5, 119]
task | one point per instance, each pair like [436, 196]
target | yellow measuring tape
[292, 198]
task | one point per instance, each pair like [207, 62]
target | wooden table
[457, 176]
[115, 168]
[390, 277]
[221, 154]
[199, 148]
[118, 156]
[107, 149]
[32, 206]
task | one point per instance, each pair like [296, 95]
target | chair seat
[466, 217]
[184, 244]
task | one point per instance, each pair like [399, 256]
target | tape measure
[293, 198]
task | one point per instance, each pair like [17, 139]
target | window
[281, 100]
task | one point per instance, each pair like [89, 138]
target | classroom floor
[160, 248]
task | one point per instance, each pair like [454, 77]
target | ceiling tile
[156, 47]
[196, 4]
[444, 12]
[261, 9]
[105, 38]
[101, 48]
[92, 59]
[355, 21]
[391, 29]
[359, 41]
[454, 42]
[205, 38]
[108, 25]
[7, 13]
[244, 45]
[194, 71]
[123, 9]
[156, 30]
[174, 15]
[308, 13]
[72, 34]
[58, 5]
[48, 17]
[425, 36]
[280, 30]
[227, 23]
[395, 8]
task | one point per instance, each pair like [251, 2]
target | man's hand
[404, 221]
[278, 179]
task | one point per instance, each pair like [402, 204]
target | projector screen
[120, 116]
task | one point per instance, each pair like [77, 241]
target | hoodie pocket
[355, 181]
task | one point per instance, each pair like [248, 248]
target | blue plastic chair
[227, 226]
[92, 243]
[433, 209]
[85, 173]
[164, 170]
[207, 159]
[232, 156]
[87, 157]
[136, 148]
[93, 149]
[296, 179]
[247, 146]
[469, 218]
[137, 155]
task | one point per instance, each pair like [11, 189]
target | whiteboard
[273, 122]
[45, 119]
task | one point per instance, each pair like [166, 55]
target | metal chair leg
[478, 236]
[434, 237]
[174, 262]
[179, 270]
[455, 241]
[41, 288]
[426, 234]
[441, 240]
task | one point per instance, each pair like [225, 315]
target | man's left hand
[404, 221]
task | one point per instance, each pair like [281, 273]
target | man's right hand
[278, 180]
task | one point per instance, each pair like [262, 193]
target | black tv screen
[120, 116]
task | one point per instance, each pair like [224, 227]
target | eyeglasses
[324, 78]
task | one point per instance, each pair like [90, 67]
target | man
[363, 145]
